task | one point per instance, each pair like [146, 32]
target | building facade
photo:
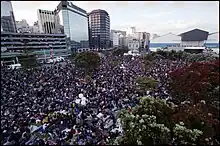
[166, 40]
[73, 22]
[131, 30]
[194, 38]
[194, 41]
[46, 21]
[133, 46]
[20, 41]
[123, 40]
[7, 17]
[114, 37]
[99, 29]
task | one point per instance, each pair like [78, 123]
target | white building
[46, 21]
[133, 46]
[153, 36]
[114, 37]
[166, 40]
[122, 40]
[192, 41]
[131, 31]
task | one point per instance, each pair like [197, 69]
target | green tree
[87, 61]
[28, 61]
[88, 78]
[144, 84]
[148, 59]
[150, 122]
[120, 51]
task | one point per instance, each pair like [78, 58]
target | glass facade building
[99, 29]
[7, 17]
[72, 21]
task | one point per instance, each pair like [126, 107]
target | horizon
[175, 17]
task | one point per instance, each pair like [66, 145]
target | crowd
[55, 105]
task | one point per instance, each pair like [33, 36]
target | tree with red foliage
[195, 82]
[202, 117]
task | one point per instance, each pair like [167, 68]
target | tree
[88, 78]
[150, 122]
[28, 61]
[87, 61]
[144, 84]
[195, 82]
[148, 58]
[120, 51]
[202, 117]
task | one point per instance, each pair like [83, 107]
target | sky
[158, 17]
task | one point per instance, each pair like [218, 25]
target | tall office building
[7, 17]
[73, 21]
[46, 21]
[99, 29]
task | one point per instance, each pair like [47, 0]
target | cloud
[151, 16]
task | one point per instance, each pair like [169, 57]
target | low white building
[114, 37]
[133, 45]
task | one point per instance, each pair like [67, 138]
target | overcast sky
[151, 16]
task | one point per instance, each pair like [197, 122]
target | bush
[150, 123]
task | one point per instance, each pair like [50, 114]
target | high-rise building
[7, 17]
[73, 21]
[99, 29]
[46, 21]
